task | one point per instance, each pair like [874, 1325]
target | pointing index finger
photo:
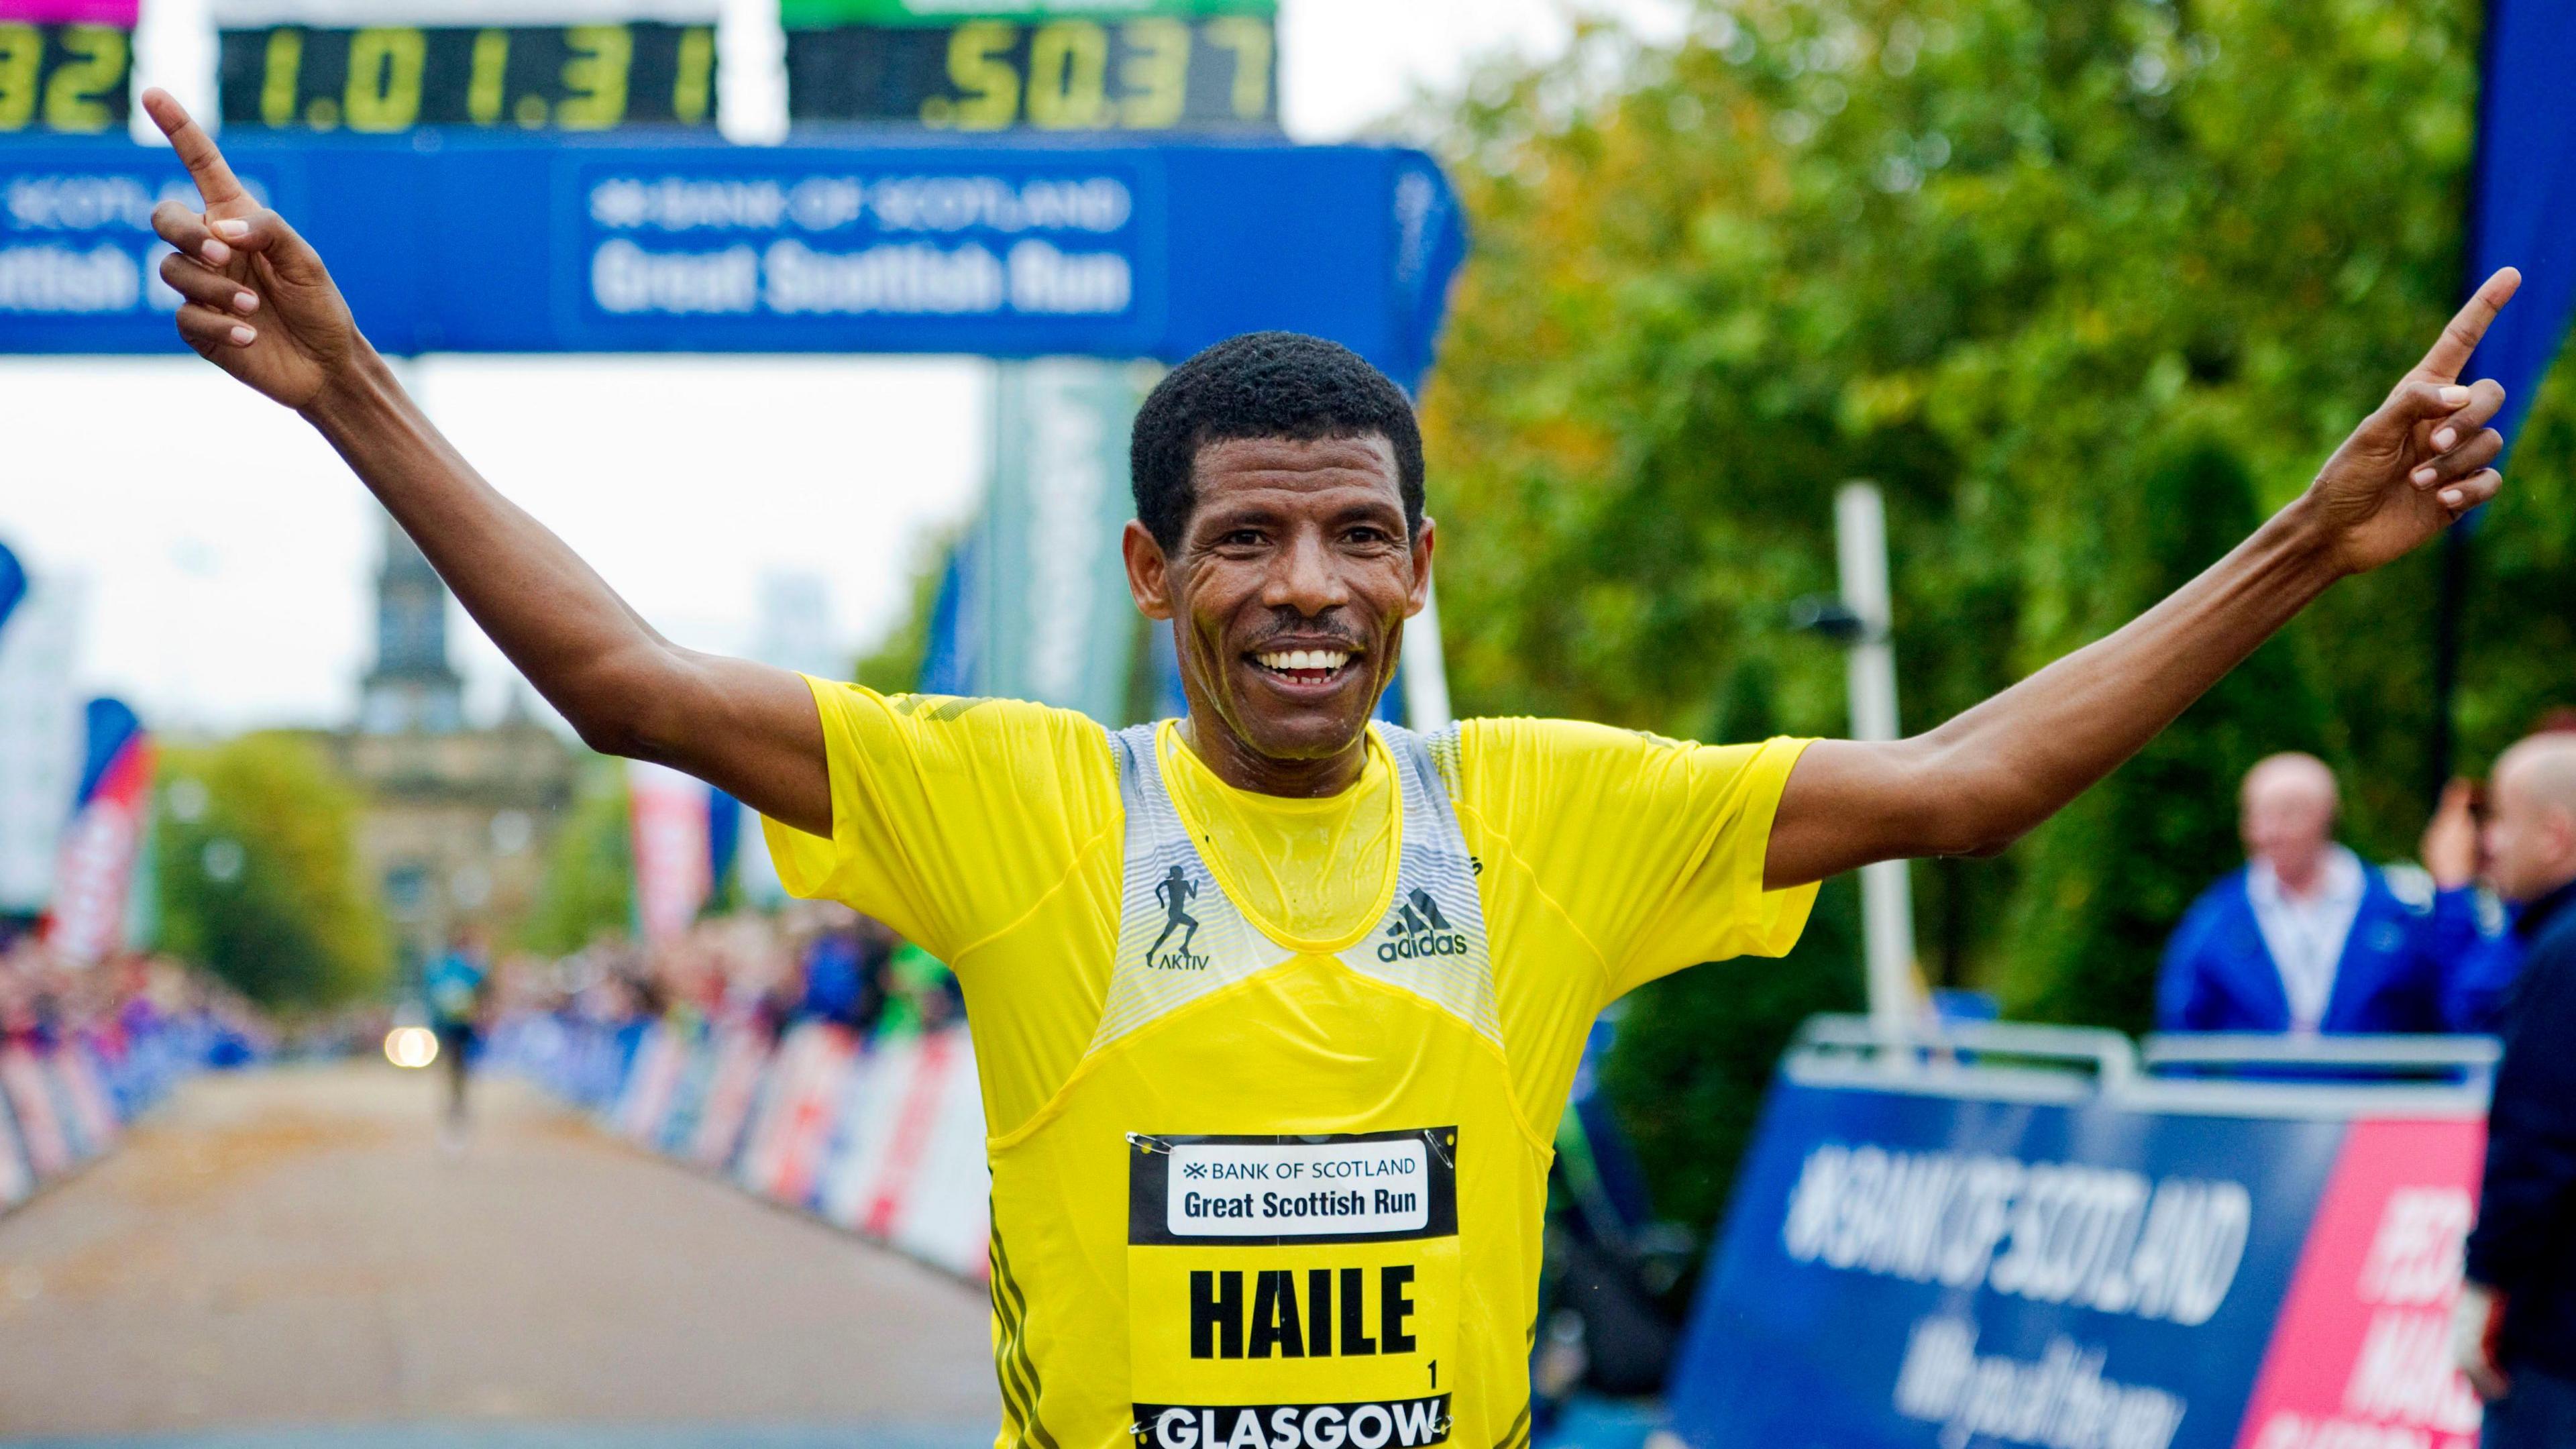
[197, 150]
[2460, 338]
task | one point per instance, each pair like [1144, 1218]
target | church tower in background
[458, 818]
[412, 689]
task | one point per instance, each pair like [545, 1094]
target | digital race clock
[66, 66]
[532, 66]
[991, 65]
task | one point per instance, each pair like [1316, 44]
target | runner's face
[1291, 585]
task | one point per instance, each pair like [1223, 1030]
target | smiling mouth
[1303, 666]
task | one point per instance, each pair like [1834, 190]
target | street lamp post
[1861, 620]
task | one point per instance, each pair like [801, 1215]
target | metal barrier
[885, 1140]
[2317, 1076]
[2459, 1056]
[2000, 1061]
[2223, 1073]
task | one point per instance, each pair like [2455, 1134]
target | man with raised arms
[1394, 943]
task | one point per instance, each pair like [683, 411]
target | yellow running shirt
[1547, 868]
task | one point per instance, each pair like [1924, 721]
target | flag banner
[953, 660]
[1055, 620]
[13, 584]
[41, 745]
[724, 834]
[672, 850]
[755, 873]
[1911, 1268]
[2522, 204]
[110, 813]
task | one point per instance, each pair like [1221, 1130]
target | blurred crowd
[812, 961]
[2309, 939]
[47, 1002]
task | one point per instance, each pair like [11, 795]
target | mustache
[1288, 623]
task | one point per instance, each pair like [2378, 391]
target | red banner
[2362, 1353]
[672, 868]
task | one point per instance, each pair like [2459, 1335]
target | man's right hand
[2450, 846]
[258, 302]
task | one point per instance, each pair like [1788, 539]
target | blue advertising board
[1920, 1270]
[471, 244]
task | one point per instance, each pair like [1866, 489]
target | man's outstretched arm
[1979, 782]
[260, 305]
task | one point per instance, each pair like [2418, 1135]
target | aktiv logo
[1174, 893]
[1420, 930]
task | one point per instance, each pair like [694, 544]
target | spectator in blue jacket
[2307, 938]
[2515, 1332]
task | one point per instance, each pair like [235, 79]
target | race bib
[1293, 1292]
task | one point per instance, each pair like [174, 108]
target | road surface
[288, 1256]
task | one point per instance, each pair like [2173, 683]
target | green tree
[258, 874]
[589, 885]
[2088, 286]
[2120, 865]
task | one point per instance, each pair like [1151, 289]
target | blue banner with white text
[459, 243]
[1919, 1271]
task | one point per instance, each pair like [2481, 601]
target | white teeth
[1326, 659]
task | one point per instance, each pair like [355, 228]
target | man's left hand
[2413, 467]
[2477, 1320]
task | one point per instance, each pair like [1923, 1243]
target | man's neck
[2303, 886]
[2545, 907]
[2309, 884]
[1231, 761]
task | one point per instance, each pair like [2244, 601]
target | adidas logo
[1420, 930]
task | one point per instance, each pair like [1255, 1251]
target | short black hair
[1263, 385]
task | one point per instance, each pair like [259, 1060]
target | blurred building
[458, 819]
[412, 689]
